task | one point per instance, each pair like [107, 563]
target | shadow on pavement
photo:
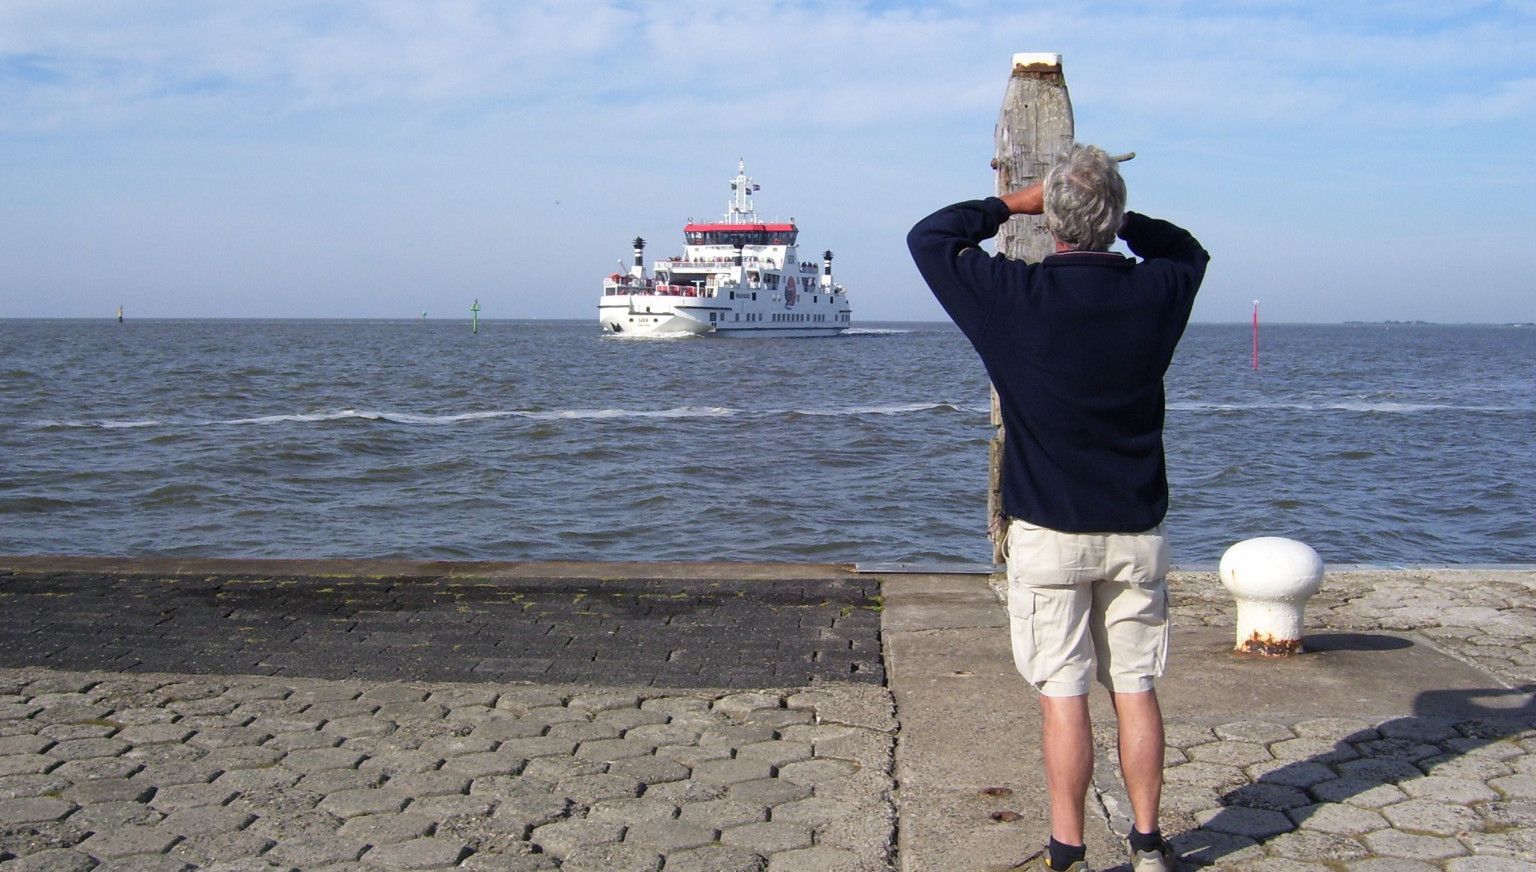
[1341, 792]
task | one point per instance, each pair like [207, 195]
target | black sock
[1063, 856]
[1141, 841]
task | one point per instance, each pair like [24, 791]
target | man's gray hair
[1084, 198]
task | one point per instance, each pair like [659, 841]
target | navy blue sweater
[1076, 346]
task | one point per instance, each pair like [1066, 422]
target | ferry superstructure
[740, 276]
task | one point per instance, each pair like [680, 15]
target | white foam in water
[872, 331]
[666, 335]
[1342, 406]
[543, 415]
[680, 412]
[103, 425]
[903, 409]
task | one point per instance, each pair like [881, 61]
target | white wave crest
[451, 418]
[664, 335]
[100, 425]
[855, 411]
[1389, 408]
[599, 414]
[872, 331]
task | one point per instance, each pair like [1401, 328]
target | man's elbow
[918, 238]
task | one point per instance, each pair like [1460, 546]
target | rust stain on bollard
[1269, 646]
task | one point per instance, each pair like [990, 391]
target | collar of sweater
[1088, 258]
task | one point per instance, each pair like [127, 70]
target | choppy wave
[417, 418]
[901, 409]
[343, 439]
[696, 411]
[660, 336]
[1387, 408]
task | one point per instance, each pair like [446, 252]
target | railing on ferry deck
[651, 289]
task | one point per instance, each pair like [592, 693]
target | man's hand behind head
[1026, 201]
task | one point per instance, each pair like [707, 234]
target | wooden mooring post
[1034, 125]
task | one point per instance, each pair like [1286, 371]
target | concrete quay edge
[406, 569]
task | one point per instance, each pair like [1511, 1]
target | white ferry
[738, 277]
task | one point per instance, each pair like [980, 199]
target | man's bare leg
[1067, 746]
[1141, 754]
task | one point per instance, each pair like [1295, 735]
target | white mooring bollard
[1271, 578]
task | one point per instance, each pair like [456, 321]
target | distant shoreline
[577, 320]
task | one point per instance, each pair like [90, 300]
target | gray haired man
[1077, 346]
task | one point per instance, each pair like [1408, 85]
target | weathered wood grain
[1035, 123]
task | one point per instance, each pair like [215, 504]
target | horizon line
[463, 319]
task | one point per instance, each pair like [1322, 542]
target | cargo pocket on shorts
[1021, 628]
[1162, 648]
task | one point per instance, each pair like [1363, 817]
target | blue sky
[380, 159]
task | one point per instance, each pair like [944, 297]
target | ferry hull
[649, 319]
[651, 316]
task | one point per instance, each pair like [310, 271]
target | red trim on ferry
[739, 228]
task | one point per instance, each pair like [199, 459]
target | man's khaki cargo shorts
[1086, 605]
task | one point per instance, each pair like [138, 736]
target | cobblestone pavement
[172, 772]
[1410, 793]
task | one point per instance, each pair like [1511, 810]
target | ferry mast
[740, 210]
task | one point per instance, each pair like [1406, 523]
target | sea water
[1386, 444]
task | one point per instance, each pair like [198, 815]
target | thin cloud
[66, 64]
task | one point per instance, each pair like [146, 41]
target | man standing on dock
[1076, 346]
